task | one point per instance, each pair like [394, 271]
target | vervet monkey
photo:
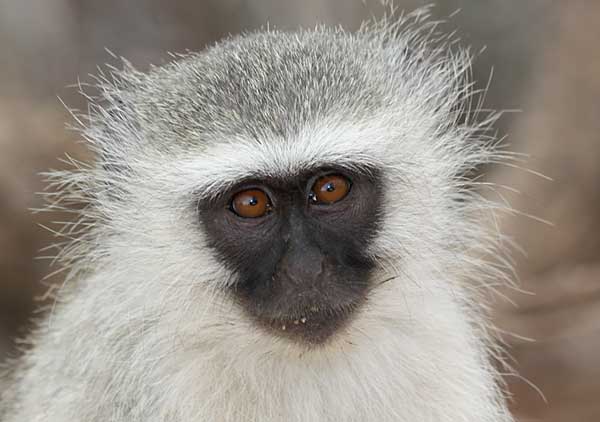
[283, 227]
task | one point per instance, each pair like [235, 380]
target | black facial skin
[302, 268]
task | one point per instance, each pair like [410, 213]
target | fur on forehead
[378, 143]
[270, 86]
[224, 164]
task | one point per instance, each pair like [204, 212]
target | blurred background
[545, 57]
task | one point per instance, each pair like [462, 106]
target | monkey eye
[251, 203]
[330, 189]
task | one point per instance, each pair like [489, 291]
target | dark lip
[313, 326]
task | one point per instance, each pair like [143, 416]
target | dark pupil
[330, 187]
[253, 201]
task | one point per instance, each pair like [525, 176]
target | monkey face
[261, 204]
[299, 247]
[242, 151]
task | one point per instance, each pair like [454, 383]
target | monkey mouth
[311, 313]
[312, 326]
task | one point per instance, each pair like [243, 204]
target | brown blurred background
[545, 57]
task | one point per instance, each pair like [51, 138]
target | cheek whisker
[386, 280]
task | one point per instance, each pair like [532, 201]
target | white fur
[147, 334]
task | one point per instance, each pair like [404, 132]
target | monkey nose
[302, 268]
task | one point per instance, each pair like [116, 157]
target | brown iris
[251, 203]
[329, 189]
